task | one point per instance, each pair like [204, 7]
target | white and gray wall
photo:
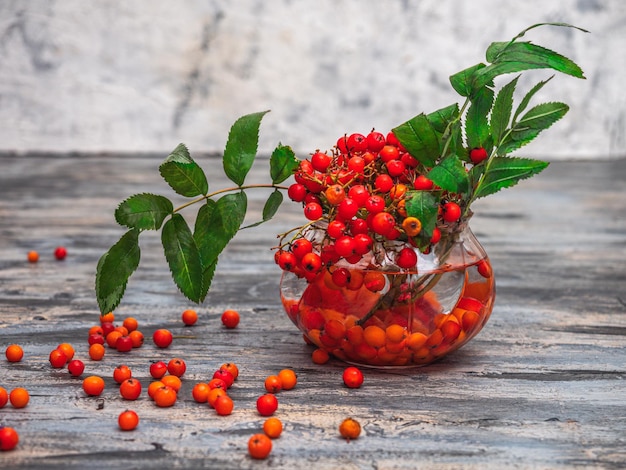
[144, 75]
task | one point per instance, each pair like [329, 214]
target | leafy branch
[192, 255]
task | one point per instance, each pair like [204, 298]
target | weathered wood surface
[542, 386]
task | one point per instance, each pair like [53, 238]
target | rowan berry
[382, 223]
[288, 378]
[406, 258]
[130, 323]
[162, 338]
[349, 429]
[4, 397]
[363, 243]
[153, 387]
[383, 183]
[19, 397]
[96, 338]
[213, 396]
[107, 317]
[60, 253]
[8, 438]
[451, 212]
[359, 194]
[33, 256]
[312, 263]
[287, 261]
[477, 155]
[344, 246]
[57, 358]
[352, 377]
[230, 318]
[232, 368]
[189, 317]
[14, 353]
[412, 226]
[172, 382]
[124, 343]
[200, 392]
[136, 338]
[93, 385]
[76, 367]
[336, 229]
[375, 141]
[335, 194]
[297, 192]
[224, 405]
[395, 168]
[112, 337]
[259, 446]
[320, 356]
[121, 373]
[273, 384]
[96, 352]
[357, 143]
[67, 349]
[301, 247]
[272, 427]
[158, 369]
[107, 327]
[128, 420]
[356, 165]
[436, 236]
[313, 211]
[177, 367]
[347, 209]
[267, 404]
[423, 183]
[320, 161]
[389, 153]
[130, 389]
[165, 396]
[225, 375]
[375, 204]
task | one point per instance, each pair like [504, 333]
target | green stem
[226, 190]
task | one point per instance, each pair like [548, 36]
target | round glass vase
[388, 317]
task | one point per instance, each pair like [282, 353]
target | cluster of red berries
[356, 195]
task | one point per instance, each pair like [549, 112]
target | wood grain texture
[542, 386]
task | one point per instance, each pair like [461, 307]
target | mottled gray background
[144, 75]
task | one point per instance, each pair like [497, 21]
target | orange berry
[96, 352]
[93, 385]
[232, 368]
[172, 381]
[107, 317]
[165, 396]
[320, 356]
[14, 353]
[128, 420]
[136, 338]
[33, 256]
[19, 397]
[224, 405]
[273, 384]
[189, 317]
[374, 335]
[395, 333]
[349, 429]
[67, 349]
[4, 397]
[112, 337]
[153, 387]
[214, 394]
[288, 378]
[200, 392]
[130, 323]
[259, 446]
[273, 427]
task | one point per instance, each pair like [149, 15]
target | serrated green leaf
[476, 122]
[531, 124]
[143, 211]
[216, 225]
[526, 99]
[283, 162]
[463, 81]
[420, 139]
[114, 268]
[450, 175]
[424, 205]
[183, 174]
[504, 172]
[182, 257]
[270, 208]
[241, 147]
[501, 112]
[441, 118]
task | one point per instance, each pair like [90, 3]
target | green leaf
[476, 123]
[283, 162]
[463, 81]
[216, 225]
[114, 268]
[450, 175]
[501, 112]
[183, 174]
[241, 147]
[270, 208]
[441, 118]
[424, 205]
[420, 139]
[504, 172]
[143, 211]
[526, 99]
[531, 124]
[182, 257]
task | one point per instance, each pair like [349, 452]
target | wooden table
[542, 386]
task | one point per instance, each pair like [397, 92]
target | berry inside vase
[377, 314]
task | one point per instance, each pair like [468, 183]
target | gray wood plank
[542, 386]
